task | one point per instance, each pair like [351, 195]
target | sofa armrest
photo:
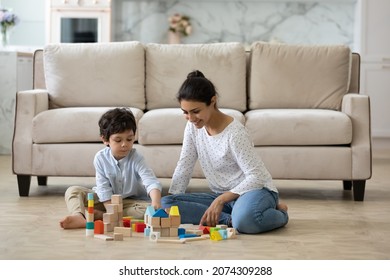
[29, 103]
[357, 107]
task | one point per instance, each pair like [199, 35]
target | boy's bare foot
[74, 221]
[282, 206]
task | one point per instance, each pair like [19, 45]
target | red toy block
[206, 229]
[126, 222]
[139, 227]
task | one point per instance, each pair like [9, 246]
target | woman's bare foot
[73, 221]
[282, 206]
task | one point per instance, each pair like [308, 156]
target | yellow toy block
[174, 211]
[215, 236]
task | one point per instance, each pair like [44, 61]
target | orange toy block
[99, 227]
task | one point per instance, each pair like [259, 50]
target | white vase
[4, 38]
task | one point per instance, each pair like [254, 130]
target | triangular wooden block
[160, 213]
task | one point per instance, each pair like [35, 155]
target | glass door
[79, 30]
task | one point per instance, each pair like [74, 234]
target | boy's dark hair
[116, 121]
[196, 88]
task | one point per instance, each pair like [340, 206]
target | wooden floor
[325, 224]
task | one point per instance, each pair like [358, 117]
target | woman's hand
[212, 214]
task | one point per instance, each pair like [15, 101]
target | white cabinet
[374, 48]
[15, 74]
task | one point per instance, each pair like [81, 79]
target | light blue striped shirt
[131, 177]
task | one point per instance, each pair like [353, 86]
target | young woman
[242, 193]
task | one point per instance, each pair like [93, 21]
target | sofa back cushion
[95, 74]
[167, 66]
[298, 76]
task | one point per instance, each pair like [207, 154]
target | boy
[120, 169]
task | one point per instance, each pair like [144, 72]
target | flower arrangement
[180, 24]
[7, 21]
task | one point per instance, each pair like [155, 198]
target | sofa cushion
[298, 76]
[71, 125]
[166, 126]
[96, 74]
[167, 66]
[279, 127]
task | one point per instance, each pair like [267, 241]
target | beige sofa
[300, 104]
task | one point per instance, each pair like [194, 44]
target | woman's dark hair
[196, 88]
[116, 121]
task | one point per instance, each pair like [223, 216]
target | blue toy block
[187, 235]
[161, 213]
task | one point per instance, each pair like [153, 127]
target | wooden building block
[108, 227]
[123, 230]
[165, 222]
[104, 237]
[155, 221]
[118, 236]
[222, 226]
[154, 235]
[112, 208]
[116, 199]
[198, 238]
[173, 241]
[194, 231]
[173, 232]
[231, 233]
[110, 217]
[89, 217]
[165, 232]
[175, 221]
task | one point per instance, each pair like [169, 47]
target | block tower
[89, 227]
[114, 215]
[167, 225]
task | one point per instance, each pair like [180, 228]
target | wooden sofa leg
[42, 180]
[24, 184]
[347, 185]
[358, 189]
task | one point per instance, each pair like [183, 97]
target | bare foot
[282, 206]
[74, 221]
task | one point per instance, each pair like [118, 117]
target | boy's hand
[156, 204]
[155, 195]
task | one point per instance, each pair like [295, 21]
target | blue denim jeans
[252, 212]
